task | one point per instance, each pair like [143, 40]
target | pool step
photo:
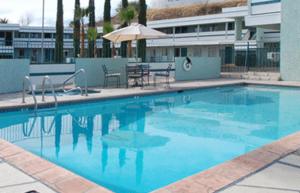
[266, 76]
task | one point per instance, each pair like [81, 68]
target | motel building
[249, 36]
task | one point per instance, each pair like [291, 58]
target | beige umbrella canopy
[134, 32]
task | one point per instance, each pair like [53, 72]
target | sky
[14, 10]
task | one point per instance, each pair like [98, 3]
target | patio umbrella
[133, 32]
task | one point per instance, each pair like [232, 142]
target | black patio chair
[135, 73]
[165, 74]
[110, 75]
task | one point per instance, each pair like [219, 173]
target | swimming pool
[143, 143]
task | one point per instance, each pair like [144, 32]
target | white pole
[43, 31]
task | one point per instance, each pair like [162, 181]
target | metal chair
[146, 72]
[108, 75]
[135, 73]
[165, 74]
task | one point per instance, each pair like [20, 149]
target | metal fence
[259, 60]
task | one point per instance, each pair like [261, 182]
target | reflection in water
[136, 145]
[58, 128]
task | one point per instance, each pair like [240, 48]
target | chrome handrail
[27, 79]
[47, 78]
[80, 71]
[74, 89]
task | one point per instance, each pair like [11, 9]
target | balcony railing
[263, 2]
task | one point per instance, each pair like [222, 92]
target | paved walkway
[13, 180]
[283, 176]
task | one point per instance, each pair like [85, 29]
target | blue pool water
[144, 143]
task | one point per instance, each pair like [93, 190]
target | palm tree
[3, 20]
[142, 44]
[92, 37]
[107, 28]
[126, 15]
[83, 13]
[59, 42]
[106, 52]
[123, 48]
[92, 27]
[76, 28]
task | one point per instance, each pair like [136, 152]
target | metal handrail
[80, 71]
[47, 78]
[27, 79]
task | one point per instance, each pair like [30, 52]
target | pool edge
[53, 176]
[208, 181]
[142, 92]
[230, 172]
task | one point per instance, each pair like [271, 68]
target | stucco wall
[12, 73]
[95, 74]
[290, 40]
[203, 68]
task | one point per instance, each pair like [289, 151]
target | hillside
[186, 11]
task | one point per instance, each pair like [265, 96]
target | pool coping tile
[226, 174]
[40, 169]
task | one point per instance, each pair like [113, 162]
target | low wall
[12, 73]
[57, 72]
[202, 68]
[95, 74]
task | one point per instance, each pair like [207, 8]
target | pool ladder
[28, 81]
[77, 73]
[45, 79]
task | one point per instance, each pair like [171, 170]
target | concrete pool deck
[237, 175]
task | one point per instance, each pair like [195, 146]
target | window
[197, 51]
[212, 27]
[21, 53]
[184, 52]
[180, 52]
[212, 52]
[231, 26]
[48, 35]
[168, 30]
[68, 36]
[186, 29]
[35, 35]
[177, 52]
[21, 35]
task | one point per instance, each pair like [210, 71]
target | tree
[123, 48]
[92, 27]
[76, 28]
[83, 14]
[92, 37]
[107, 28]
[142, 18]
[59, 41]
[26, 19]
[106, 52]
[3, 20]
[126, 15]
